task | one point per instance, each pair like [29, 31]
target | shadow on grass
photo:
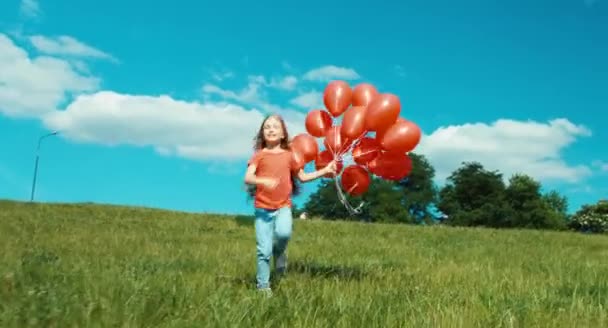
[243, 281]
[312, 269]
[249, 281]
[244, 220]
[326, 271]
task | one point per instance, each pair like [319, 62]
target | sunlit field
[108, 266]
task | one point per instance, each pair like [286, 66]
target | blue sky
[145, 93]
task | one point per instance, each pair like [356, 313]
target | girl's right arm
[251, 178]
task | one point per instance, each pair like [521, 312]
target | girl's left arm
[305, 177]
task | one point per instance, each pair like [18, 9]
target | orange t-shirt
[273, 165]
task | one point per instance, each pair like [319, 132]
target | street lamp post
[36, 165]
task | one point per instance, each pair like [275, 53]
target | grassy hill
[74, 265]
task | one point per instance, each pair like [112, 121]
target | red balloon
[380, 133]
[373, 167]
[391, 165]
[337, 97]
[355, 180]
[402, 137]
[306, 145]
[353, 123]
[324, 158]
[365, 150]
[363, 94]
[335, 142]
[317, 123]
[297, 160]
[382, 112]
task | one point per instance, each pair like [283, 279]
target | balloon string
[367, 152]
[334, 152]
[354, 143]
[338, 153]
[351, 210]
[338, 156]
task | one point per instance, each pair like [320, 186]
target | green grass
[103, 266]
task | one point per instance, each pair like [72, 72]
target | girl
[272, 177]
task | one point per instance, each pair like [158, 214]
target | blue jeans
[272, 233]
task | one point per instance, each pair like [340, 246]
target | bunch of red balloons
[371, 130]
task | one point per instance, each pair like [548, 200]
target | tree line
[472, 196]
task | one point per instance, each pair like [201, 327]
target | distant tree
[474, 196]
[419, 190]
[558, 203]
[591, 218]
[404, 201]
[385, 202]
[531, 208]
[324, 202]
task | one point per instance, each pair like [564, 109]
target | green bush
[591, 218]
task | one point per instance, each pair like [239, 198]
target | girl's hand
[331, 167]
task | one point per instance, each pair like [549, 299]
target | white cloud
[250, 94]
[223, 130]
[221, 76]
[508, 146]
[32, 86]
[38, 87]
[213, 130]
[216, 131]
[64, 45]
[286, 83]
[29, 8]
[254, 96]
[309, 100]
[253, 93]
[191, 130]
[601, 165]
[331, 72]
